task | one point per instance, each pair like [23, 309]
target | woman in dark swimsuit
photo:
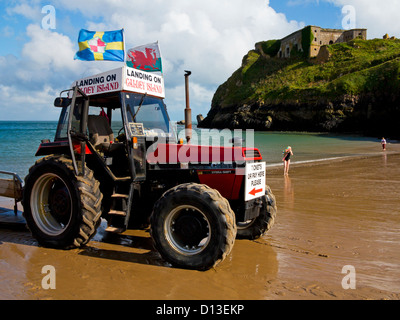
[286, 159]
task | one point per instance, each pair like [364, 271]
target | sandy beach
[330, 215]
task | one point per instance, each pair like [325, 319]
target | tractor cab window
[61, 133]
[147, 110]
[114, 119]
[62, 128]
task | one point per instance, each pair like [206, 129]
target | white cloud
[207, 37]
[198, 94]
[20, 104]
[29, 84]
[47, 58]
[49, 50]
[26, 10]
[379, 17]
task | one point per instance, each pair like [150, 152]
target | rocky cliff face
[353, 87]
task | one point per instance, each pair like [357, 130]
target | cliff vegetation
[349, 87]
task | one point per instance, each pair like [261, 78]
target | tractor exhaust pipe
[188, 111]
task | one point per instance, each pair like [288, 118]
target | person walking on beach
[383, 143]
[286, 159]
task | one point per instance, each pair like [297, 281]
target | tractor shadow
[13, 228]
[131, 246]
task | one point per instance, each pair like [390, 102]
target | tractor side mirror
[62, 102]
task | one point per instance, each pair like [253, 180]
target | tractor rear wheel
[62, 210]
[193, 226]
[255, 228]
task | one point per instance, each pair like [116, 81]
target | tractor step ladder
[120, 202]
[119, 211]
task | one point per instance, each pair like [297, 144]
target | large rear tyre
[62, 210]
[193, 226]
[255, 228]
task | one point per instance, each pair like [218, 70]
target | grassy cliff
[348, 87]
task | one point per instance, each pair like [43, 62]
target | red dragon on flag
[147, 57]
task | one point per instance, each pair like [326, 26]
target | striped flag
[106, 45]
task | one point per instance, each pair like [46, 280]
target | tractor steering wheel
[121, 136]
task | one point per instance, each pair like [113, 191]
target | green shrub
[307, 38]
[271, 47]
[354, 68]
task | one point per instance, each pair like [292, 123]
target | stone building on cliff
[310, 40]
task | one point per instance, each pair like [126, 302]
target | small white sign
[105, 82]
[143, 82]
[254, 180]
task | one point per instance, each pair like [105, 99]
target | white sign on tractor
[123, 79]
[254, 180]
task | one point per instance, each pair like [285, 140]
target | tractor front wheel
[193, 226]
[255, 228]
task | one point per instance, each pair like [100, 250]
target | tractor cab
[113, 122]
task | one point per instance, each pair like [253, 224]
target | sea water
[19, 141]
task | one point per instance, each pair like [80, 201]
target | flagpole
[159, 50]
[123, 38]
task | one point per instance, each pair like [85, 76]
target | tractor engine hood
[163, 153]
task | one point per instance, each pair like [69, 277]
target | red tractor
[196, 199]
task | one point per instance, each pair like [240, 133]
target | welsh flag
[146, 58]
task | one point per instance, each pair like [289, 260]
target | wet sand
[330, 215]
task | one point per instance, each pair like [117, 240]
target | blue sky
[207, 37]
[320, 13]
[13, 25]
